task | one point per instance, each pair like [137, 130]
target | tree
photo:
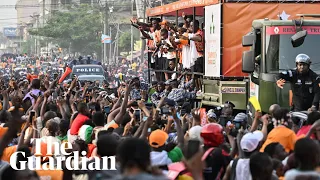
[125, 42]
[77, 27]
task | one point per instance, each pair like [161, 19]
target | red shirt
[304, 131]
[77, 123]
[31, 77]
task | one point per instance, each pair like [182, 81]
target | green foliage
[125, 42]
[27, 45]
[125, 39]
[78, 26]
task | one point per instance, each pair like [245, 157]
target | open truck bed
[223, 77]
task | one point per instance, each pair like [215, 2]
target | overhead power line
[56, 4]
[15, 18]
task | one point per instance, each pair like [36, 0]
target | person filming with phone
[304, 84]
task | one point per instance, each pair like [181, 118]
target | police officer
[304, 84]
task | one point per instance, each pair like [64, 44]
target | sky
[8, 15]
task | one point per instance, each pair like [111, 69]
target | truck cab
[274, 44]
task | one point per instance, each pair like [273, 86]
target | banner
[212, 40]
[10, 32]
[237, 22]
[181, 5]
[274, 30]
[105, 39]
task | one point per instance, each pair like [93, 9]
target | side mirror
[298, 39]
[248, 63]
[248, 39]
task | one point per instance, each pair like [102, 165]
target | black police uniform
[305, 89]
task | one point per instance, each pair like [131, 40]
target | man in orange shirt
[48, 174]
[282, 132]
[198, 38]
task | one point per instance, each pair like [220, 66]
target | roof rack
[309, 15]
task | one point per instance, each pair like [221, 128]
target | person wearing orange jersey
[198, 38]
[51, 174]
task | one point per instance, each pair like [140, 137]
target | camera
[165, 110]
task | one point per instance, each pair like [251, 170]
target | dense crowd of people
[153, 130]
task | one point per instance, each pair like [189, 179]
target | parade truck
[247, 44]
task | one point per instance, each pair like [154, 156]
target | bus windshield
[280, 54]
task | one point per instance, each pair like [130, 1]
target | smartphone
[165, 110]
[87, 99]
[192, 148]
[137, 114]
[32, 116]
[54, 96]
[107, 109]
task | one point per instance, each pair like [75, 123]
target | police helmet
[303, 58]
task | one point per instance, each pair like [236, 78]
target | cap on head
[250, 141]
[212, 135]
[230, 104]
[195, 133]
[158, 138]
[240, 117]
[303, 58]
[211, 114]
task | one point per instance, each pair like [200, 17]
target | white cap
[250, 141]
[194, 133]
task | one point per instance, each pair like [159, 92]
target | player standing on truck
[304, 84]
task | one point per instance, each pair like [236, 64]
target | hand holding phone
[32, 116]
[137, 114]
[107, 109]
[54, 96]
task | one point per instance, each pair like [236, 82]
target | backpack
[178, 169]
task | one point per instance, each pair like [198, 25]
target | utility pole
[105, 31]
[35, 38]
[132, 43]
[143, 40]
[43, 11]
[110, 49]
[115, 54]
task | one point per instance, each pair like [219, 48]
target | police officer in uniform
[304, 84]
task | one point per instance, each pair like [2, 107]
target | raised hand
[280, 83]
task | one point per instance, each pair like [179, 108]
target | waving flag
[105, 39]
